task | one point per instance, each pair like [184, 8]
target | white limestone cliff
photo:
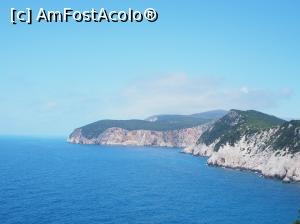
[247, 154]
[118, 136]
[251, 152]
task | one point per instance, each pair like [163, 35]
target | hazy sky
[199, 55]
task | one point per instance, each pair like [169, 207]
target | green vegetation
[288, 137]
[227, 130]
[154, 123]
[96, 128]
[209, 115]
[213, 115]
[255, 120]
[230, 128]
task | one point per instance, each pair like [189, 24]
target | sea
[47, 180]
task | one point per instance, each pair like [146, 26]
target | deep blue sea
[50, 181]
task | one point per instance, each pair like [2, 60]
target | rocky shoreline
[279, 165]
[119, 136]
[247, 140]
[243, 155]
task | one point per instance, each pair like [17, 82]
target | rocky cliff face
[274, 152]
[119, 136]
[241, 139]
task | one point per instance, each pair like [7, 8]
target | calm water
[51, 181]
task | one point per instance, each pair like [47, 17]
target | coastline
[264, 164]
[285, 167]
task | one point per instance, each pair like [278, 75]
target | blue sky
[199, 55]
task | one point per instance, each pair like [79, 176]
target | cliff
[253, 141]
[159, 130]
[241, 139]
[119, 136]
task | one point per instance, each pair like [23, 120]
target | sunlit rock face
[274, 152]
[247, 154]
[241, 140]
[118, 136]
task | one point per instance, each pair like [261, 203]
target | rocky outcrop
[258, 152]
[119, 136]
[277, 164]
[241, 140]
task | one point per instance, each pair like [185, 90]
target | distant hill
[238, 139]
[154, 123]
[231, 127]
[213, 114]
[209, 115]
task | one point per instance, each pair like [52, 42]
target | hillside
[213, 114]
[208, 115]
[254, 141]
[230, 128]
[154, 123]
[241, 139]
[287, 137]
